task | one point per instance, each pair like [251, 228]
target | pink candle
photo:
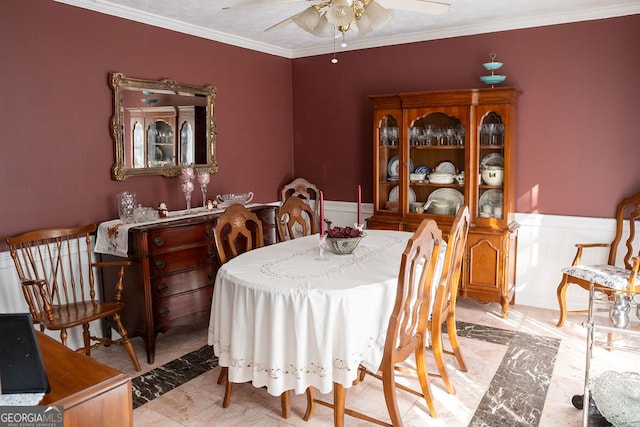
[321, 214]
[359, 203]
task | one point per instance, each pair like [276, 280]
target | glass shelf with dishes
[491, 140]
[389, 166]
[437, 148]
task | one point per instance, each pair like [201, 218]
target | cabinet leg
[150, 346]
[505, 307]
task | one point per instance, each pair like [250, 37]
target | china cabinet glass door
[492, 192]
[161, 144]
[437, 147]
[389, 164]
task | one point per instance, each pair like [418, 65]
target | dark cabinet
[171, 280]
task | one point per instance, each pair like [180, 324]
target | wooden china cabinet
[436, 151]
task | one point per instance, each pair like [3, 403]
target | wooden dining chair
[306, 191]
[302, 189]
[239, 230]
[406, 330]
[56, 269]
[295, 218]
[444, 301]
[614, 274]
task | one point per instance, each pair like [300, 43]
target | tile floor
[512, 365]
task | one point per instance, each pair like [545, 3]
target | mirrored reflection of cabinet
[165, 136]
[453, 148]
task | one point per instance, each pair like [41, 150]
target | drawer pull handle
[158, 241]
[163, 312]
[160, 264]
[209, 232]
[211, 276]
[162, 288]
[212, 254]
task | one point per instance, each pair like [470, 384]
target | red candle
[321, 214]
[359, 203]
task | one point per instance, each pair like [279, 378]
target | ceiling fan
[324, 18]
[333, 18]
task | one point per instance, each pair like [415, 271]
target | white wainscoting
[546, 243]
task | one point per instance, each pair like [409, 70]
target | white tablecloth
[285, 318]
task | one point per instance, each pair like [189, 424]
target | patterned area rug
[515, 396]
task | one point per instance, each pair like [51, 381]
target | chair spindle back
[58, 262]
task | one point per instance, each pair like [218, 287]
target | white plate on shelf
[492, 198]
[455, 197]
[395, 192]
[446, 167]
[441, 178]
[393, 168]
[492, 159]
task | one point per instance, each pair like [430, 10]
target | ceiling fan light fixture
[324, 28]
[308, 19]
[373, 17]
[340, 13]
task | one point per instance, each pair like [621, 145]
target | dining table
[291, 316]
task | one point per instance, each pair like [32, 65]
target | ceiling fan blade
[280, 24]
[418, 6]
[261, 3]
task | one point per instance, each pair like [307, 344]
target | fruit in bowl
[344, 240]
[343, 232]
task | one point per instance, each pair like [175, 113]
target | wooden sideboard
[174, 268]
[92, 394]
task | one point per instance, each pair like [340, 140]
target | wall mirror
[159, 125]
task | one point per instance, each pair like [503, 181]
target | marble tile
[522, 371]
[171, 375]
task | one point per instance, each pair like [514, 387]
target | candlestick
[321, 214]
[359, 203]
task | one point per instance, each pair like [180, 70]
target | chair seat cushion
[605, 275]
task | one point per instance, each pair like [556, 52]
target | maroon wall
[578, 119]
[56, 105]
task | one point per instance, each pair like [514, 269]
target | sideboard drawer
[169, 262]
[168, 311]
[171, 237]
[166, 286]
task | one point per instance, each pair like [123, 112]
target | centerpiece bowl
[344, 240]
[231, 198]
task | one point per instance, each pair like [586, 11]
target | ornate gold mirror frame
[157, 126]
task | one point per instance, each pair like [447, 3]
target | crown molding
[371, 41]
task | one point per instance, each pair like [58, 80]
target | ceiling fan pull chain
[334, 60]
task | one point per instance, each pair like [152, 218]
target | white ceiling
[244, 24]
